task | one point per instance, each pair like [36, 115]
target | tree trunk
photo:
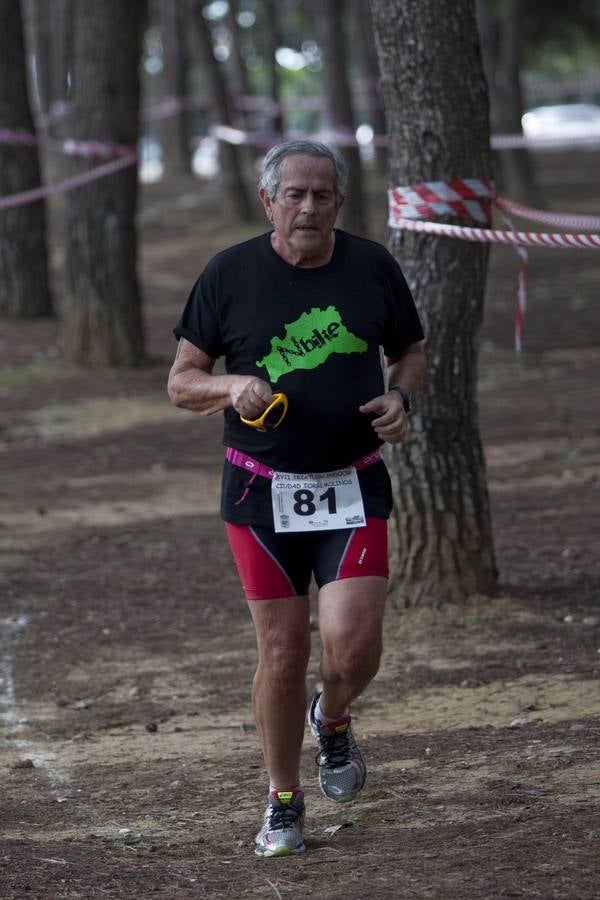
[49, 26]
[24, 290]
[38, 25]
[329, 22]
[365, 42]
[174, 131]
[501, 42]
[230, 156]
[437, 113]
[272, 42]
[102, 315]
[239, 72]
[240, 86]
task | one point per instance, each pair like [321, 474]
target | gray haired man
[300, 315]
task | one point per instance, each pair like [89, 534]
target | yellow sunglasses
[273, 415]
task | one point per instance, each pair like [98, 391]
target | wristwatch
[406, 398]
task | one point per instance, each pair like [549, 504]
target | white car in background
[564, 121]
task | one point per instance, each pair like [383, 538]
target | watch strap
[405, 396]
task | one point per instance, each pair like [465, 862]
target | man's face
[305, 207]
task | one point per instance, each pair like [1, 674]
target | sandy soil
[130, 765]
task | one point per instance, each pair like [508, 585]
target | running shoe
[342, 770]
[281, 834]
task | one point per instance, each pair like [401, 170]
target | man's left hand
[390, 422]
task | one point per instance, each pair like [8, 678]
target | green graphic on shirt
[309, 342]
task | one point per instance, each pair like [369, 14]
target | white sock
[325, 720]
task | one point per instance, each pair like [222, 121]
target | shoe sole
[348, 798]
[280, 851]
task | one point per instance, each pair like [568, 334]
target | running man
[304, 311]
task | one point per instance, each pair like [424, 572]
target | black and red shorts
[275, 565]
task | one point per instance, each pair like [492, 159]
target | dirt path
[130, 764]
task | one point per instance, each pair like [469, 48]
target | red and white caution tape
[76, 181]
[96, 149]
[347, 138]
[171, 106]
[561, 220]
[70, 146]
[493, 235]
[409, 205]
[520, 141]
[459, 197]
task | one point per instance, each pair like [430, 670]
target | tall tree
[502, 45]
[240, 82]
[24, 290]
[49, 25]
[437, 113]
[102, 313]
[365, 43]
[329, 23]
[174, 131]
[231, 158]
[272, 42]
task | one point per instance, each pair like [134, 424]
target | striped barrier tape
[545, 217]
[12, 200]
[93, 149]
[492, 235]
[521, 141]
[69, 146]
[473, 198]
[461, 197]
[347, 137]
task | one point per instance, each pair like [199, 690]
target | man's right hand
[250, 396]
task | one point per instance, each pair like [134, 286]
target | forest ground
[130, 765]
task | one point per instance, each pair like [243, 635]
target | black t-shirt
[313, 333]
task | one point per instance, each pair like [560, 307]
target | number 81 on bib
[320, 501]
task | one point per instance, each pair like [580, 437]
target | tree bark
[48, 25]
[365, 42]
[24, 289]
[49, 28]
[238, 65]
[272, 42]
[102, 314]
[329, 21]
[501, 42]
[174, 132]
[437, 111]
[230, 156]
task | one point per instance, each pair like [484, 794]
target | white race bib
[322, 501]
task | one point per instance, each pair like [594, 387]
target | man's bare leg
[279, 687]
[350, 623]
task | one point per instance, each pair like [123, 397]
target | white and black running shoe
[342, 770]
[281, 834]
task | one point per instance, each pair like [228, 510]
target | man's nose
[308, 202]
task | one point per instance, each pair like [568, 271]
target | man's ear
[340, 201]
[266, 202]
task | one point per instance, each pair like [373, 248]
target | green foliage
[560, 37]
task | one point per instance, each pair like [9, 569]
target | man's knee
[352, 654]
[285, 661]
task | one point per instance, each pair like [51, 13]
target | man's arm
[192, 386]
[405, 371]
